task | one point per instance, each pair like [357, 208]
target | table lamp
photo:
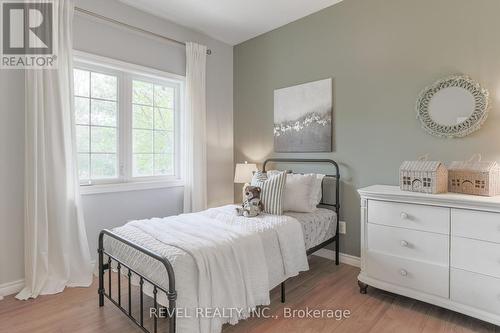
[243, 174]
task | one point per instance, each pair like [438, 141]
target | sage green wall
[380, 53]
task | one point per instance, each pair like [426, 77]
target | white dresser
[442, 249]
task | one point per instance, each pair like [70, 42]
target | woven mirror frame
[471, 124]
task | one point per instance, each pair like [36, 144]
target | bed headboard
[331, 178]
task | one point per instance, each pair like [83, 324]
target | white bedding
[219, 259]
[317, 227]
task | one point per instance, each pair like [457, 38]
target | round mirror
[451, 106]
[454, 107]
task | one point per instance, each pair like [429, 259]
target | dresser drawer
[475, 256]
[475, 224]
[418, 217]
[410, 244]
[476, 290]
[424, 277]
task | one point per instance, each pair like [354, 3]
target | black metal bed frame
[336, 206]
[171, 292]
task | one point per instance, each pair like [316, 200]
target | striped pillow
[272, 191]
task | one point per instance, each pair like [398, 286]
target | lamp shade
[244, 172]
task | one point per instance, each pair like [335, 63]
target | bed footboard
[103, 293]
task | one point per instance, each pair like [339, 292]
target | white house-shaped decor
[423, 176]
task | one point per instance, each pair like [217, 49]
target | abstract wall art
[303, 117]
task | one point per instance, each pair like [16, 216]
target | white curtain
[195, 148]
[56, 248]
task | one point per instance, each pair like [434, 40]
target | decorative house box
[474, 177]
[423, 176]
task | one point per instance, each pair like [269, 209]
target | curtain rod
[131, 27]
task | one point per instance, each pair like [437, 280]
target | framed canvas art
[303, 118]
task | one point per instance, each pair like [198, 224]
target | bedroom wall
[11, 175]
[380, 53]
[112, 209]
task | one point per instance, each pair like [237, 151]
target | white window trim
[125, 180]
[129, 186]
[93, 59]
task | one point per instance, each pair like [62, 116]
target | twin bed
[214, 259]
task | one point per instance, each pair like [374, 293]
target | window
[127, 122]
[96, 105]
[427, 182]
[480, 184]
[152, 129]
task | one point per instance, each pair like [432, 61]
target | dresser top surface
[394, 193]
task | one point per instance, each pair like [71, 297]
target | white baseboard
[344, 258]
[10, 288]
[14, 287]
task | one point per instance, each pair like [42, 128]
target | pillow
[273, 172]
[273, 188]
[317, 191]
[309, 204]
[298, 191]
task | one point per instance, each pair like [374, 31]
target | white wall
[11, 175]
[113, 209]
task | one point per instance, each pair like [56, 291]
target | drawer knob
[403, 272]
[404, 243]
[404, 216]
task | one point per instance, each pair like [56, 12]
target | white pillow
[317, 192]
[298, 196]
[298, 191]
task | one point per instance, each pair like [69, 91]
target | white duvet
[221, 261]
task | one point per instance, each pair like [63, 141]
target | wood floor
[325, 286]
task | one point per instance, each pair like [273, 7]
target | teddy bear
[252, 206]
